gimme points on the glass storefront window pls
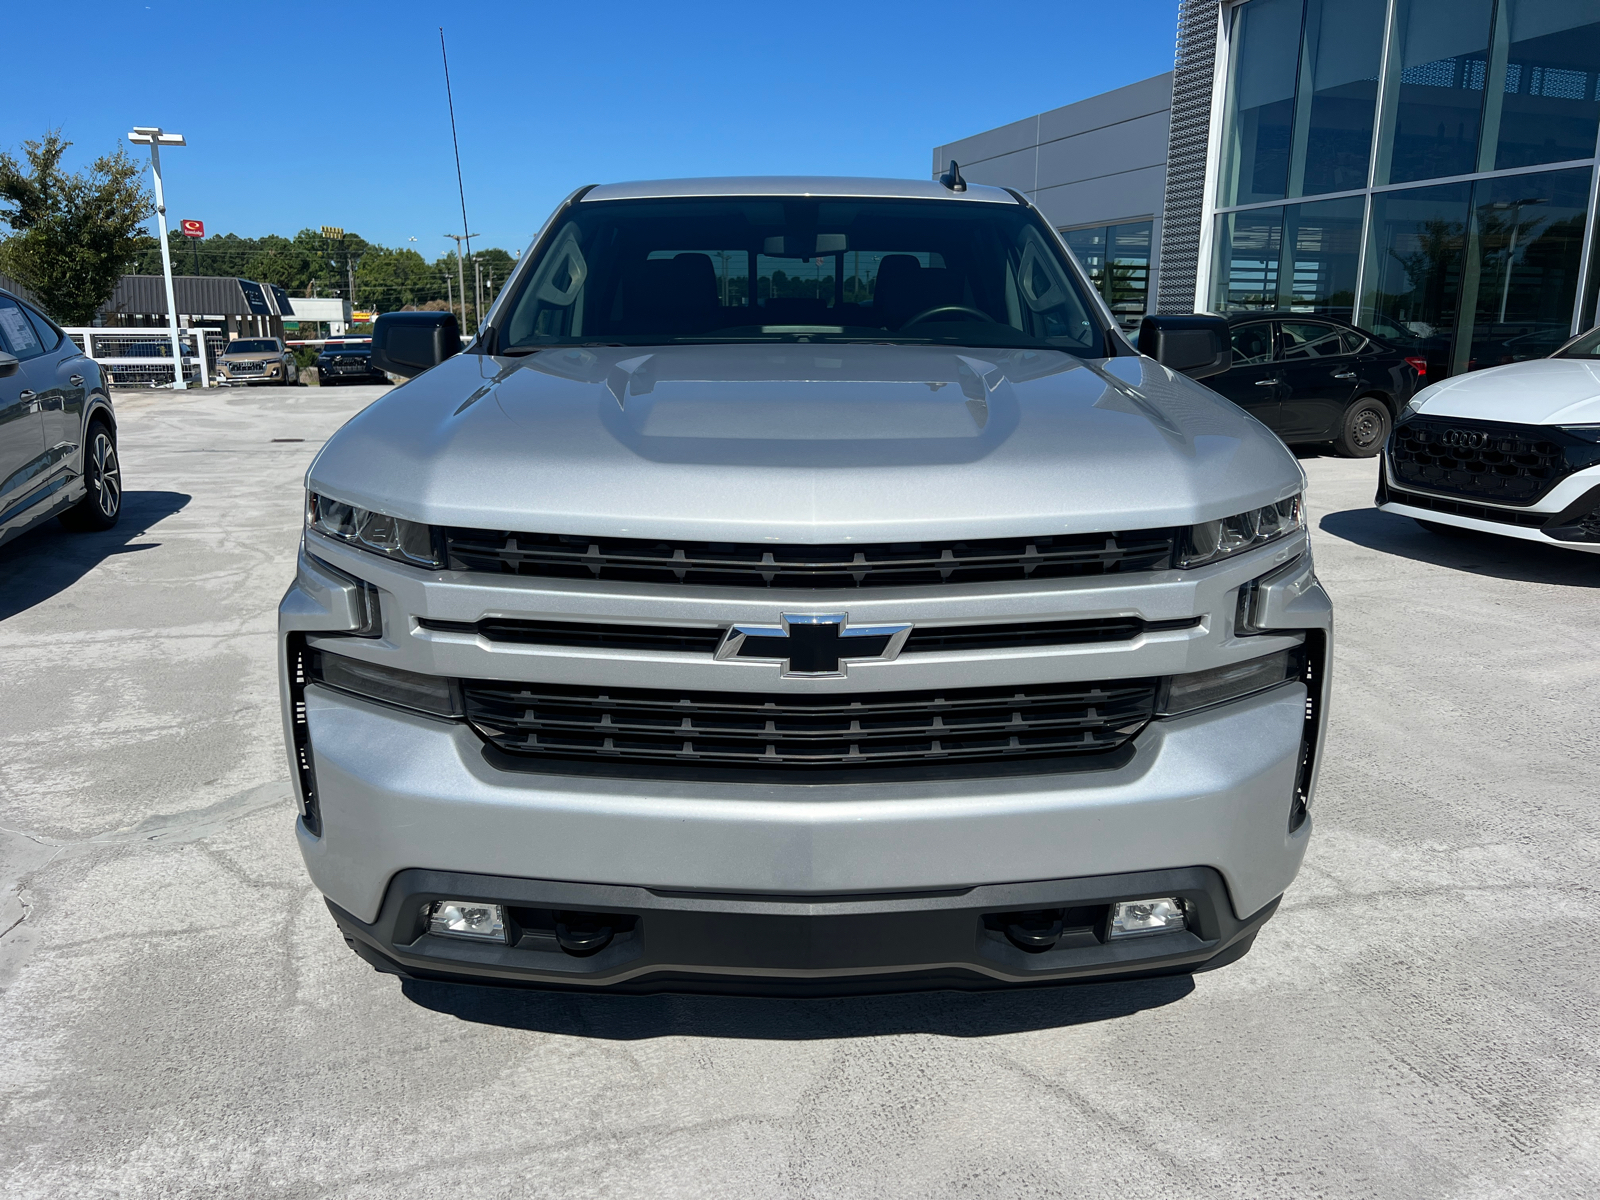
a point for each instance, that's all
(1117, 260)
(1249, 250)
(1550, 108)
(1260, 116)
(1436, 89)
(1325, 240)
(1332, 140)
(1316, 275)
(1522, 271)
(1412, 293)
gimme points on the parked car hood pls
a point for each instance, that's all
(1542, 391)
(800, 443)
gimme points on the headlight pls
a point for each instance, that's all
(403, 541)
(1202, 689)
(1211, 541)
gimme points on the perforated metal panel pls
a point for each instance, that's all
(1193, 71)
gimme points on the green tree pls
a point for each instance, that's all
(389, 280)
(74, 234)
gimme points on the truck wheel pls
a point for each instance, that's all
(1364, 430)
(102, 471)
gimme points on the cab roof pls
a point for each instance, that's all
(798, 185)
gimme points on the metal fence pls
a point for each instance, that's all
(143, 357)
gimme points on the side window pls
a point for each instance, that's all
(16, 331)
(49, 335)
(1307, 339)
(1353, 342)
(1252, 344)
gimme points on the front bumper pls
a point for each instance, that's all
(399, 792)
(1555, 519)
(767, 944)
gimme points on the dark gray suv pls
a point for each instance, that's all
(58, 434)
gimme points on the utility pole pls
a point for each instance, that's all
(155, 138)
(449, 292)
(477, 290)
(461, 272)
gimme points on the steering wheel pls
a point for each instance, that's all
(928, 313)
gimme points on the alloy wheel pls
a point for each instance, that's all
(106, 477)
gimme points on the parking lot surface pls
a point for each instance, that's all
(180, 1018)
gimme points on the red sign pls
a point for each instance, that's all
(192, 228)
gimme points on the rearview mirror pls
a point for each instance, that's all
(8, 364)
(408, 343)
(1199, 345)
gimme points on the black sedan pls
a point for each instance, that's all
(348, 360)
(1315, 379)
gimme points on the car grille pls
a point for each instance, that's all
(900, 729)
(727, 564)
(245, 368)
(1508, 464)
(1461, 508)
(705, 640)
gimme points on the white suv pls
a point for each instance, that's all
(1513, 450)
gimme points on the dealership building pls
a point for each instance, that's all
(1424, 168)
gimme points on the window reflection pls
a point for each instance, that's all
(1527, 237)
(1266, 47)
(1438, 94)
(1249, 249)
(1413, 279)
(1334, 114)
(1117, 260)
(1550, 107)
(1326, 242)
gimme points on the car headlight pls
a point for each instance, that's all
(1211, 541)
(403, 541)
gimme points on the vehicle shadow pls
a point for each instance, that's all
(49, 558)
(1464, 550)
(948, 1014)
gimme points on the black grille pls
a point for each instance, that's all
(705, 640)
(899, 729)
(730, 564)
(1462, 508)
(1507, 464)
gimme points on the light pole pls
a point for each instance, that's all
(461, 271)
(154, 137)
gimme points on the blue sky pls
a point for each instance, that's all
(295, 122)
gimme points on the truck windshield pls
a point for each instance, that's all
(916, 272)
(252, 346)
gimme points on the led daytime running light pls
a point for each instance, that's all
(1211, 541)
(403, 541)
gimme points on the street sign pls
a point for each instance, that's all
(193, 228)
(333, 233)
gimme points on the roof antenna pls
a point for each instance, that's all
(952, 178)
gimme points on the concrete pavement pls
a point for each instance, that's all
(179, 1017)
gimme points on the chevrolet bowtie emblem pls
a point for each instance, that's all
(814, 646)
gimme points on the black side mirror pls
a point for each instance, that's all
(8, 364)
(1199, 345)
(408, 343)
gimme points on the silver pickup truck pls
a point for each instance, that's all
(801, 585)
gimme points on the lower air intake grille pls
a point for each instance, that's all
(897, 729)
(729, 564)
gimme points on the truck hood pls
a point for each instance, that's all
(804, 443)
(1542, 391)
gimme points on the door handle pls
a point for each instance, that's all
(1266, 383)
(1344, 374)
(75, 380)
(27, 395)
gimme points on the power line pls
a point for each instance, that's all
(460, 186)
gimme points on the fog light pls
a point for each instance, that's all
(1135, 918)
(467, 919)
